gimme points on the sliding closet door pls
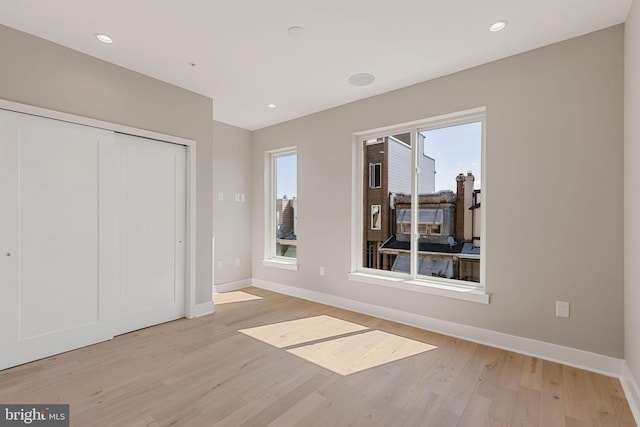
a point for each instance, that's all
(55, 293)
(151, 228)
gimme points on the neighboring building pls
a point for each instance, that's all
(287, 226)
(449, 227)
(388, 160)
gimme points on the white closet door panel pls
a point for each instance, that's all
(9, 137)
(58, 230)
(54, 299)
(152, 191)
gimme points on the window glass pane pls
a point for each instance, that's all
(449, 188)
(387, 159)
(372, 182)
(286, 214)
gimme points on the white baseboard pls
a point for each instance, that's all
(231, 286)
(202, 309)
(631, 391)
(606, 365)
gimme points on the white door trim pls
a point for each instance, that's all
(190, 261)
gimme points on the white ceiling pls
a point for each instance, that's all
(246, 60)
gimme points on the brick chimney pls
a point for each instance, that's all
(464, 201)
(468, 203)
(459, 222)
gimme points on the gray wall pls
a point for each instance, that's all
(43, 74)
(631, 194)
(232, 156)
(554, 227)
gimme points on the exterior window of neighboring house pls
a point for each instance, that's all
(430, 213)
(376, 220)
(428, 229)
(406, 228)
(375, 175)
(281, 208)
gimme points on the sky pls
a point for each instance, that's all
(456, 149)
(287, 176)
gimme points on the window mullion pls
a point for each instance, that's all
(415, 233)
(272, 203)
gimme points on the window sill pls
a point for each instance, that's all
(281, 263)
(422, 286)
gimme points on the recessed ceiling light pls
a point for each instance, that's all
(295, 32)
(104, 38)
(362, 79)
(271, 105)
(498, 26)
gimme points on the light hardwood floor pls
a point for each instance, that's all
(273, 360)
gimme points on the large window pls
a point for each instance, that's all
(427, 225)
(281, 193)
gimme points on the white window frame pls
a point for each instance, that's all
(452, 288)
(271, 259)
(379, 227)
(372, 175)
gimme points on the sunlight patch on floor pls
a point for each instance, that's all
(301, 331)
(340, 346)
(234, 296)
(356, 353)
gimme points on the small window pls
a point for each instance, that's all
(376, 219)
(375, 175)
(406, 228)
(429, 229)
(281, 241)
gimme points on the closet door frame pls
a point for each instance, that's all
(191, 310)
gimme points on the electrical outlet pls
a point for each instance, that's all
(237, 197)
(322, 271)
(243, 197)
(220, 196)
(237, 262)
(562, 309)
(220, 265)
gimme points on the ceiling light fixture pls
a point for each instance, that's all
(362, 79)
(271, 105)
(498, 26)
(104, 38)
(295, 32)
